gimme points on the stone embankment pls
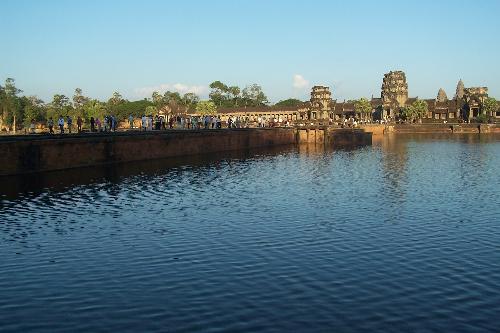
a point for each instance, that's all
(25, 154)
(442, 128)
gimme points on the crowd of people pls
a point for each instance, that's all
(65, 125)
(109, 123)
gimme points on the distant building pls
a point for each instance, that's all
(321, 108)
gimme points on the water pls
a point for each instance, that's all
(403, 236)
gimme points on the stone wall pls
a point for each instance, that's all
(23, 154)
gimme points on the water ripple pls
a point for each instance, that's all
(401, 236)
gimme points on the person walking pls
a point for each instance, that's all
(131, 121)
(92, 124)
(98, 124)
(70, 123)
(79, 123)
(50, 124)
(60, 122)
(143, 122)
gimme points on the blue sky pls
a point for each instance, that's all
(135, 47)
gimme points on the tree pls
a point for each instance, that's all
(235, 94)
(34, 109)
(206, 107)
(94, 108)
(151, 110)
(78, 99)
(172, 99)
(289, 102)
(363, 106)
(157, 99)
(490, 106)
(417, 110)
(59, 106)
(218, 92)
(10, 103)
(116, 99)
(189, 100)
(254, 96)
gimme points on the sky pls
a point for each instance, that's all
(136, 47)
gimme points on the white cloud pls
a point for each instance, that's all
(299, 82)
(178, 87)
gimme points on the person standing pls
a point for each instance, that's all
(131, 121)
(70, 123)
(50, 124)
(60, 122)
(143, 122)
(99, 125)
(79, 123)
(92, 124)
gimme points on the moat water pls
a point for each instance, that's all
(402, 236)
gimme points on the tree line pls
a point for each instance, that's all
(15, 107)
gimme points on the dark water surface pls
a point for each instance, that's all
(403, 236)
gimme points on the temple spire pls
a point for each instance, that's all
(460, 90)
(441, 96)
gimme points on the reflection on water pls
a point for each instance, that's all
(399, 236)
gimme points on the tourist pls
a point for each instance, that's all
(60, 122)
(32, 126)
(162, 123)
(92, 124)
(213, 121)
(98, 124)
(150, 123)
(144, 122)
(79, 123)
(171, 122)
(114, 123)
(188, 122)
(131, 121)
(50, 124)
(70, 123)
(205, 121)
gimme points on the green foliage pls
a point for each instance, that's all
(289, 102)
(218, 93)
(150, 110)
(10, 103)
(34, 109)
(126, 108)
(78, 99)
(363, 106)
(482, 118)
(490, 105)
(232, 96)
(94, 108)
(116, 99)
(417, 110)
(254, 96)
(206, 107)
(189, 100)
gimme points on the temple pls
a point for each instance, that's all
(323, 109)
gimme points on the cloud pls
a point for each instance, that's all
(178, 87)
(299, 82)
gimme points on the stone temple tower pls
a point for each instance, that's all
(394, 89)
(321, 99)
